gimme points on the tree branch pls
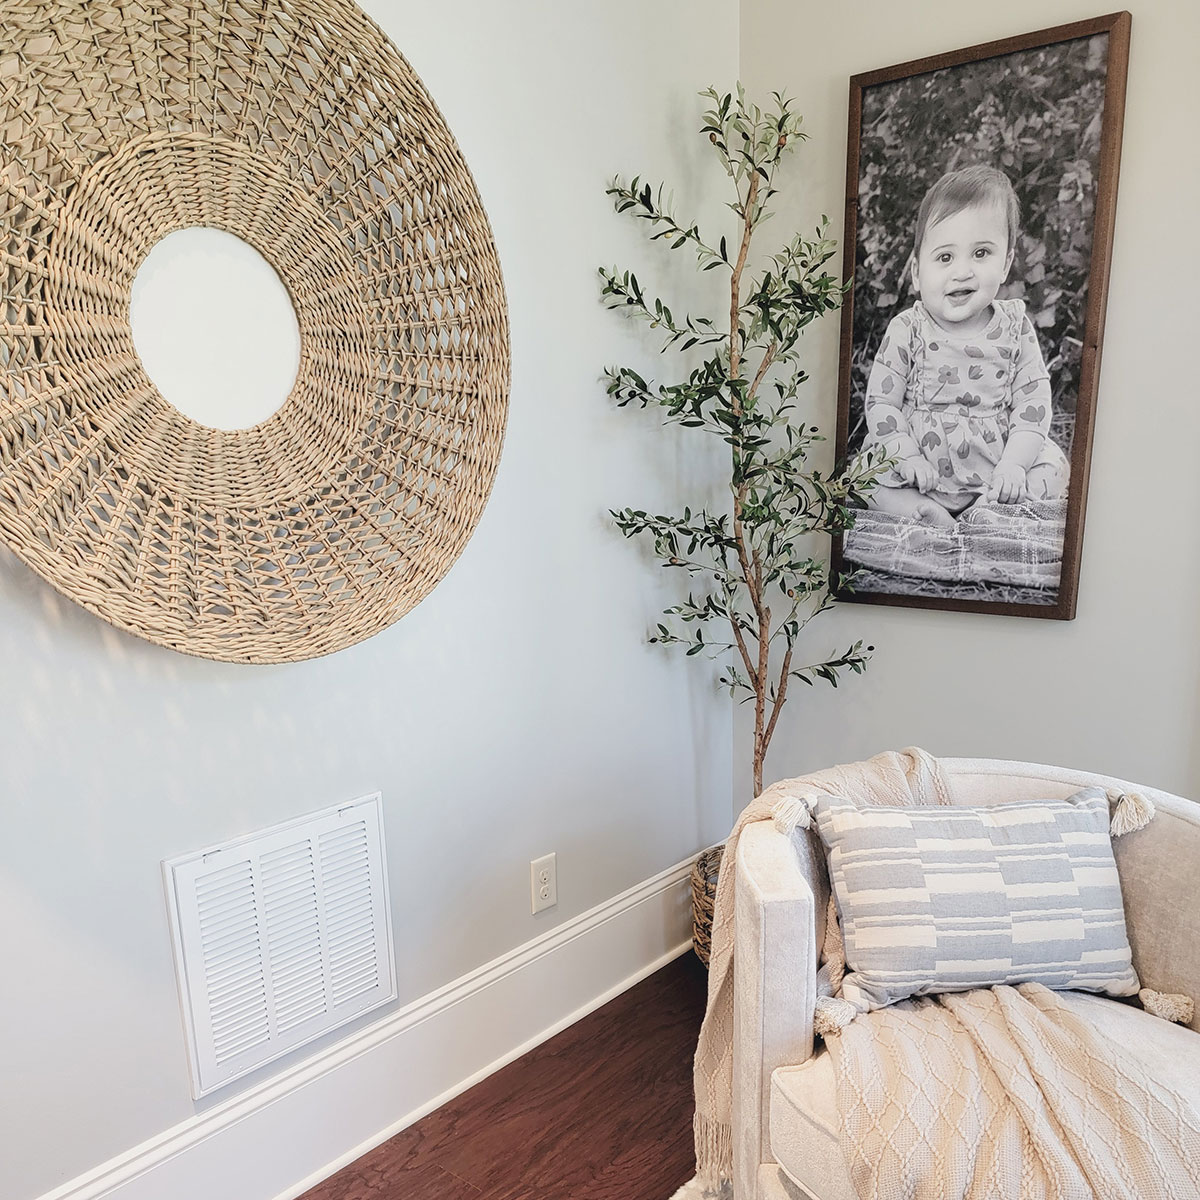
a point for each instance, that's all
(735, 308)
(756, 548)
(767, 359)
(780, 697)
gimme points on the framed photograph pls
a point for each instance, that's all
(981, 187)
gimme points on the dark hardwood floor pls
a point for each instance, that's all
(602, 1111)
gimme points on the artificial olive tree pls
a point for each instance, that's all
(758, 569)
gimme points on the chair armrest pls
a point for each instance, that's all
(1160, 877)
(779, 919)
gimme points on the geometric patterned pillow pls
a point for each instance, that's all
(943, 899)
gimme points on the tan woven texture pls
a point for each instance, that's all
(705, 872)
(299, 128)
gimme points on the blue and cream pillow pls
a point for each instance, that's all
(943, 899)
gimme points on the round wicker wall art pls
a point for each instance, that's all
(299, 128)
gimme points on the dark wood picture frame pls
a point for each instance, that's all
(986, 595)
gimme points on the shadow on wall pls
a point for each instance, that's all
(105, 738)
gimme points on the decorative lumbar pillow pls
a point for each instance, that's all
(943, 898)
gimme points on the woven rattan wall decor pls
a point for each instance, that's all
(298, 127)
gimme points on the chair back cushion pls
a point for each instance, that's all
(936, 899)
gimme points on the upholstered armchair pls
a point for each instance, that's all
(785, 1122)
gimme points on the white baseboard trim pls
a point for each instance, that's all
(284, 1136)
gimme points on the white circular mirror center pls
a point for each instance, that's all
(215, 328)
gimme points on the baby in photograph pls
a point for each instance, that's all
(959, 395)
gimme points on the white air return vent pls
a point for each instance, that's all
(280, 937)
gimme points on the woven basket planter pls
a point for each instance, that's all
(299, 128)
(704, 893)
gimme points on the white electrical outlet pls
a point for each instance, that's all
(543, 882)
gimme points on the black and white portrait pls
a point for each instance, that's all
(980, 220)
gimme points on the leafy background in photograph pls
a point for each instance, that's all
(1037, 116)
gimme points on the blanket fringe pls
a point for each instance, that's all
(792, 813)
(714, 1150)
(831, 1015)
(1131, 811)
(1171, 1006)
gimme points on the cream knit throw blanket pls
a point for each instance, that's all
(1043, 1110)
(1028, 1103)
(901, 778)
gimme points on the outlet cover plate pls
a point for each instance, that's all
(543, 882)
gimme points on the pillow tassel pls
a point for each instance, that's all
(792, 813)
(1132, 811)
(1171, 1006)
(831, 1015)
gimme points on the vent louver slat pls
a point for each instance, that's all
(247, 1013)
(280, 937)
(227, 945)
(282, 904)
(225, 885)
(231, 972)
(348, 900)
(234, 978)
(348, 918)
(293, 925)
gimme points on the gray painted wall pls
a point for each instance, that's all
(1115, 690)
(518, 710)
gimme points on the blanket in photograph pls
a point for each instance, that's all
(1017, 544)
